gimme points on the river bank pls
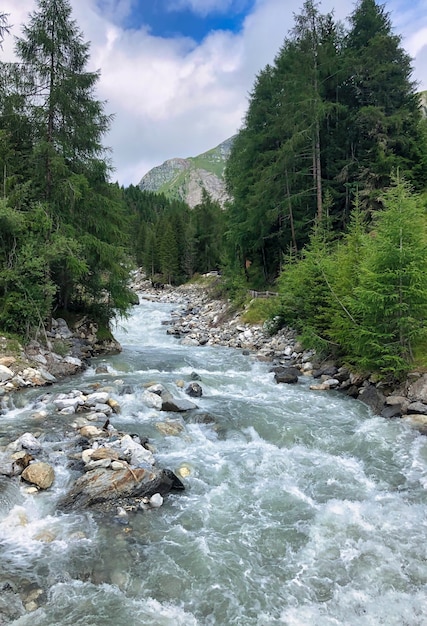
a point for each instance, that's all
(205, 320)
(202, 319)
(288, 492)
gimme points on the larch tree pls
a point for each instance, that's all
(66, 169)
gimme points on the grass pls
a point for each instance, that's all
(10, 345)
(420, 356)
(259, 310)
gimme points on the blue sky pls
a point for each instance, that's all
(176, 74)
(185, 19)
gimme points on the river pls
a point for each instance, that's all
(301, 508)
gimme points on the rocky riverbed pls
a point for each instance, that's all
(117, 470)
(203, 320)
(61, 352)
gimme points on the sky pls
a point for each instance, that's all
(177, 74)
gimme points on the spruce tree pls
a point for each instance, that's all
(384, 113)
(276, 172)
(390, 302)
(69, 122)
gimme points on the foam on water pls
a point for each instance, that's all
(300, 508)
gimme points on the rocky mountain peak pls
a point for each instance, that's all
(186, 178)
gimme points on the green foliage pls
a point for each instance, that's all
(364, 297)
(172, 240)
(64, 230)
(336, 112)
(306, 299)
(61, 347)
(390, 302)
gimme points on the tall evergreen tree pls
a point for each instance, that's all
(69, 122)
(276, 170)
(50, 117)
(383, 107)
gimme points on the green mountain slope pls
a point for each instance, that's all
(185, 178)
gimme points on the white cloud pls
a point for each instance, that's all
(174, 97)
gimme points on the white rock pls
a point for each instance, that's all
(90, 431)
(31, 491)
(99, 463)
(5, 374)
(64, 403)
(121, 512)
(72, 360)
(40, 358)
(332, 382)
(29, 442)
(156, 500)
(87, 455)
(48, 377)
(99, 397)
(103, 408)
(152, 400)
(118, 465)
(138, 453)
(68, 410)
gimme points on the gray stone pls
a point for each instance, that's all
(178, 405)
(390, 411)
(104, 486)
(29, 442)
(5, 374)
(98, 397)
(287, 375)
(417, 407)
(194, 390)
(417, 392)
(373, 398)
(65, 403)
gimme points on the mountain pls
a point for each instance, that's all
(185, 178)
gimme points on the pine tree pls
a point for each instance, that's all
(384, 114)
(390, 302)
(276, 170)
(69, 122)
(169, 257)
(51, 118)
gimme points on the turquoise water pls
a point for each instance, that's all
(300, 508)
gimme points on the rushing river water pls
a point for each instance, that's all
(300, 508)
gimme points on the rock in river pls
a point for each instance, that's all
(104, 486)
(40, 474)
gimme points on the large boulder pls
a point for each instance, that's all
(5, 374)
(102, 486)
(373, 398)
(40, 474)
(417, 392)
(288, 375)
